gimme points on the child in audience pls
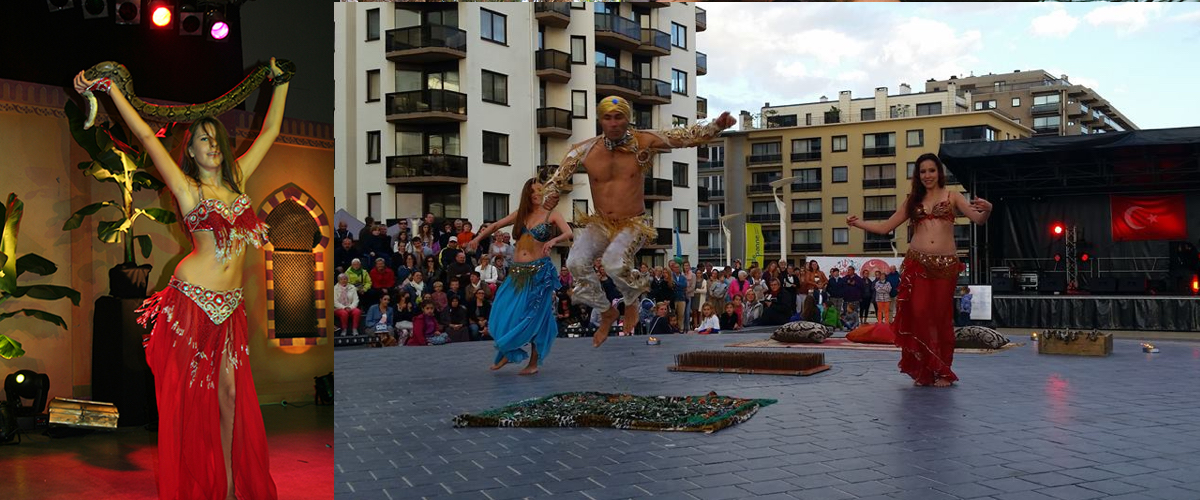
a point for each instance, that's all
(440, 299)
(850, 319)
(729, 319)
(710, 324)
(830, 318)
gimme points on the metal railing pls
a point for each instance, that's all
(657, 187)
(806, 186)
(702, 194)
(618, 77)
(806, 156)
(427, 165)
(712, 165)
(1041, 109)
(880, 151)
(877, 245)
(701, 18)
(764, 159)
(878, 214)
(426, 101)
(655, 38)
(806, 247)
(710, 223)
(771, 246)
(701, 62)
(712, 252)
(758, 189)
(619, 25)
(555, 7)
(806, 217)
(656, 88)
(716, 193)
(552, 59)
(554, 118)
(879, 183)
(427, 36)
(763, 218)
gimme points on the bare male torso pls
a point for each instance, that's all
(616, 181)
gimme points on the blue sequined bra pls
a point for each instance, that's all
(541, 232)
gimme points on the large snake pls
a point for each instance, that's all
(110, 73)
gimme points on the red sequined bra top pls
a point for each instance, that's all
(233, 226)
(941, 210)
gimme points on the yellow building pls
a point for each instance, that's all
(845, 165)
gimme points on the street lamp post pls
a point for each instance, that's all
(728, 238)
(783, 215)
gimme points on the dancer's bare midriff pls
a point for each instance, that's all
(201, 267)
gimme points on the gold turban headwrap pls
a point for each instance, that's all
(614, 103)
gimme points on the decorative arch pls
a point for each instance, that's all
(293, 193)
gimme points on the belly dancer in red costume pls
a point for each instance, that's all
(925, 306)
(211, 440)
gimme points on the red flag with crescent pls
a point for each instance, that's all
(1149, 218)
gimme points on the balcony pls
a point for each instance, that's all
(710, 223)
(806, 186)
(1045, 130)
(544, 171)
(657, 189)
(616, 31)
(758, 190)
(701, 108)
(880, 151)
(806, 217)
(426, 44)
(877, 246)
(879, 183)
(763, 218)
(427, 106)
(716, 194)
(654, 43)
(701, 19)
(764, 160)
(877, 214)
(1044, 109)
(806, 248)
(552, 65)
(702, 194)
(654, 92)
(701, 64)
(711, 252)
(553, 14)
(771, 247)
(711, 165)
(643, 120)
(619, 82)
(962, 242)
(554, 122)
(809, 156)
(665, 238)
(427, 169)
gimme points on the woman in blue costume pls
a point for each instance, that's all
(523, 312)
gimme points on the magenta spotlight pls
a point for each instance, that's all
(219, 30)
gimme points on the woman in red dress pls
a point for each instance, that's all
(209, 417)
(924, 326)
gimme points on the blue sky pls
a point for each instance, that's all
(1136, 55)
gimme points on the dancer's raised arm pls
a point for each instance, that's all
(977, 210)
(687, 137)
(884, 227)
(270, 129)
(493, 227)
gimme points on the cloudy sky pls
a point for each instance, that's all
(1139, 56)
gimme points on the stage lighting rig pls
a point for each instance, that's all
(95, 9)
(27, 384)
(191, 21)
(57, 5)
(161, 15)
(129, 12)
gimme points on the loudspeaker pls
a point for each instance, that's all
(1103, 285)
(1052, 283)
(1131, 285)
(120, 374)
(1003, 284)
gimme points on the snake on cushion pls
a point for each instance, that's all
(113, 73)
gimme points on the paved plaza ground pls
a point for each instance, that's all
(1019, 426)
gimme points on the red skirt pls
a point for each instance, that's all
(195, 329)
(925, 316)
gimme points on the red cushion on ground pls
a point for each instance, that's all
(874, 333)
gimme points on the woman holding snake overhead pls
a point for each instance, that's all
(209, 417)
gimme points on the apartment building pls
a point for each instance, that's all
(449, 107)
(1048, 104)
(828, 160)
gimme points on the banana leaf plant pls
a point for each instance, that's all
(12, 267)
(115, 160)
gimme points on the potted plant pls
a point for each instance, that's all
(115, 160)
(12, 267)
(833, 115)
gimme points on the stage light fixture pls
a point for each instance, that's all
(129, 12)
(160, 15)
(1057, 229)
(1057, 257)
(27, 384)
(191, 23)
(1195, 284)
(57, 5)
(218, 29)
(1084, 257)
(95, 9)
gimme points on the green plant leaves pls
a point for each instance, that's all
(47, 292)
(35, 264)
(85, 138)
(77, 220)
(42, 315)
(15, 208)
(143, 180)
(10, 348)
(158, 215)
(110, 231)
(146, 244)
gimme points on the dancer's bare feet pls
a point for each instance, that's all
(532, 367)
(500, 364)
(606, 321)
(631, 318)
(528, 370)
(941, 382)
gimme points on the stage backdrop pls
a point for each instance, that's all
(39, 164)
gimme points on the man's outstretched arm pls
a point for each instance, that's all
(687, 137)
(553, 184)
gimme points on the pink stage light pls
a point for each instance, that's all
(219, 30)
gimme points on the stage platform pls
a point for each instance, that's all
(1104, 312)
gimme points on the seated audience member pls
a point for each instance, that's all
(478, 310)
(383, 280)
(454, 320)
(358, 277)
(779, 305)
(456, 291)
(661, 323)
(729, 318)
(408, 264)
(488, 273)
(405, 312)
(342, 232)
(850, 319)
(426, 329)
(460, 270)
(345, 306)
(476, 284)
(381, 320)
(345, 253)
(711, 323)
(439, 297)
(415, 285)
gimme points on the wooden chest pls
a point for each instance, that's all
(1081, 346)
(79, 413)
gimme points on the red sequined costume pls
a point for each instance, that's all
(925, 307)
(194, 331)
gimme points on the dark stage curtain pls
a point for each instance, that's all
(1105, 313)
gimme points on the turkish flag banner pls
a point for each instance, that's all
(1148, 218)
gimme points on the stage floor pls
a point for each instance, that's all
(120, 464)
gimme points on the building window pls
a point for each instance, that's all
(373, 146)
(578, 50)
(606, 58)
(678, 35)
(1046, 122)
(372, 24)
(965, 134)
(765, 149)
(681, 220)
(840, 174)
(678, 82)
(841, 236)
(1016, 102)
(1045, 99)
(806, 236)
(493, 26)
(578, 207)
(839, 143)
(878, 207)
(495, 206)
(579, 104)
(678, 121)
(930, 108)
(879, 144)
(374, 205)
(372, 85)
(579, 5)
(764, 208)
(807, 146)
(879, 176)
(985, 105)
(912, 167)
(495, 87)
(841, 205)
(867, 114)
(495, 148)
(808, 206)
(916, 138)
(781, 121)
(679, 174)
(808, 118)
